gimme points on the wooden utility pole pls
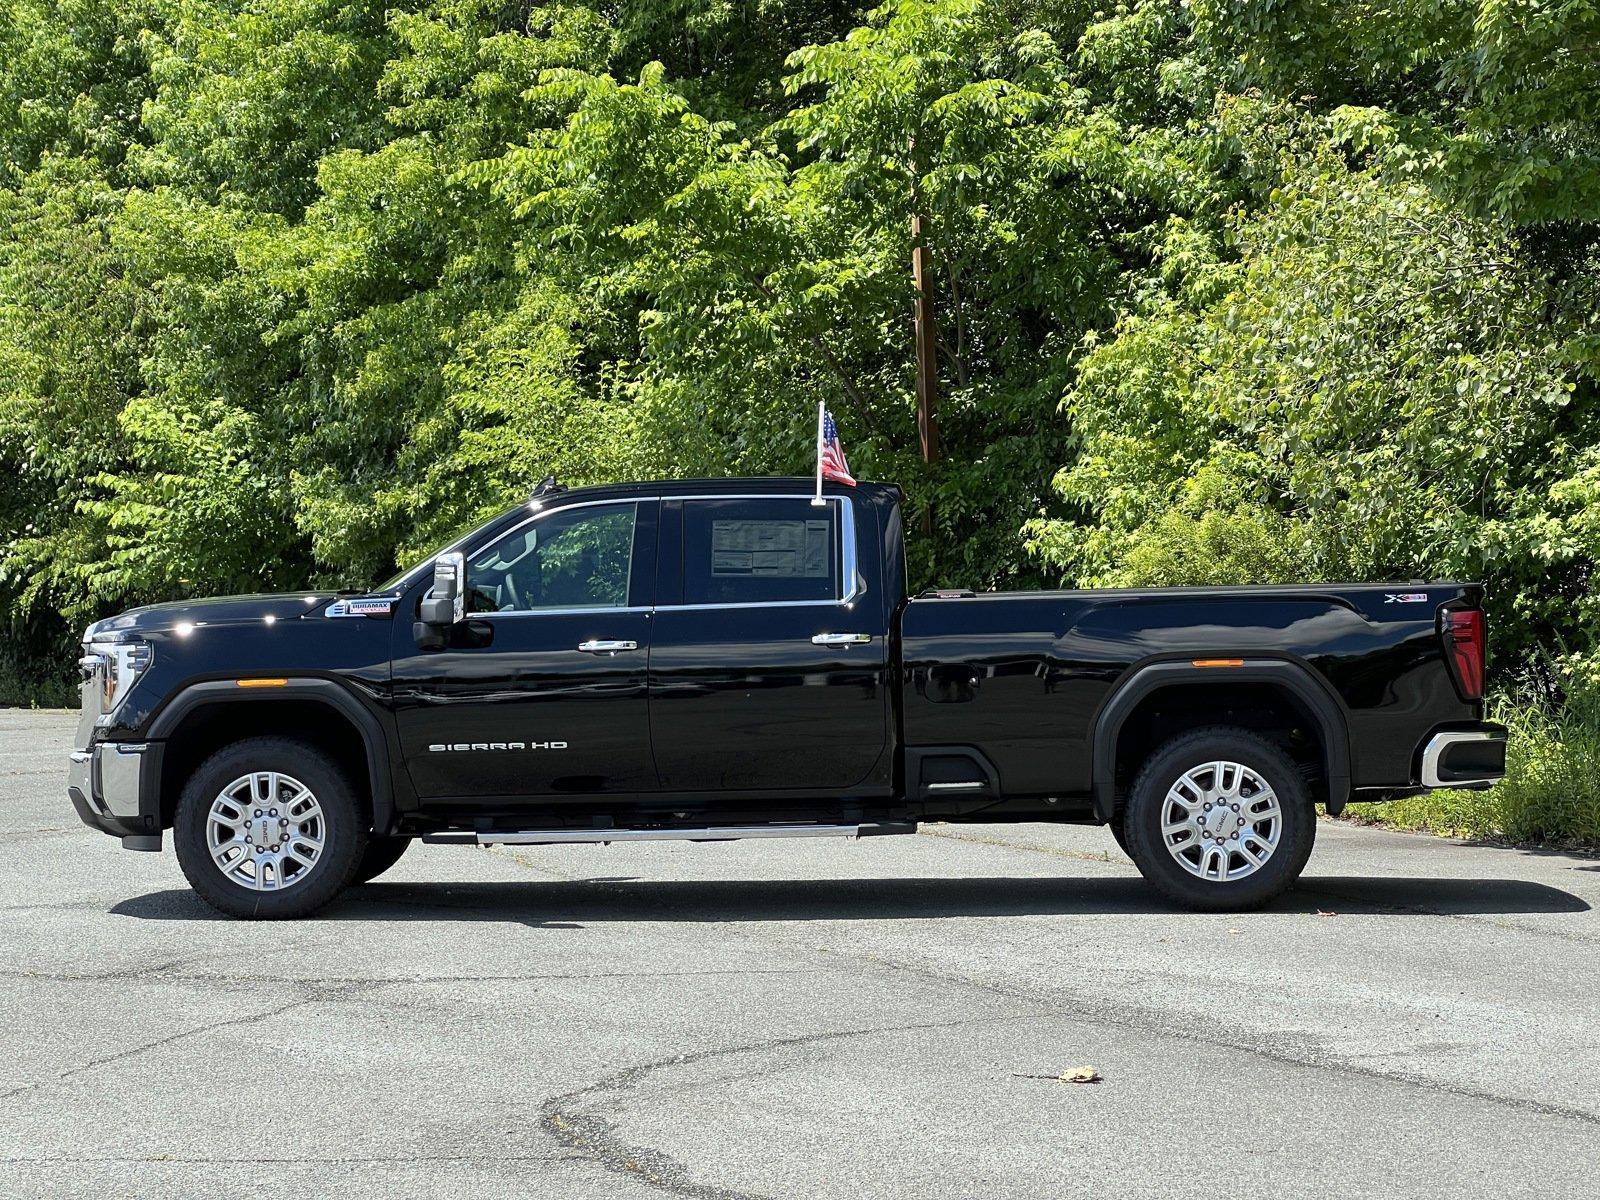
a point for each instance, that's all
(927, 362)
(923, 330)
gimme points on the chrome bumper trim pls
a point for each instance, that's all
(80, 774)
(107, 775)
(1434, 751)
(120, 764)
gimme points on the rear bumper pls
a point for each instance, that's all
(112, 787)
(1463, 758)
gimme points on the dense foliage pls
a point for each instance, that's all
(1226, 289)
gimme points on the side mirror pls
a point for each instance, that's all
(446, 602)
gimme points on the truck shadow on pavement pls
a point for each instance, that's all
(611, 899)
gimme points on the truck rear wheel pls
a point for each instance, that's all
(1219, 819)
(268, 828)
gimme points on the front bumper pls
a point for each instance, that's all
(1470, 758)
(114, 787)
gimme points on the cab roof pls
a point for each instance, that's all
(778, 485)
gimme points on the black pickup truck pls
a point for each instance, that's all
(719, 659)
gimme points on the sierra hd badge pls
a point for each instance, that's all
(449, 747)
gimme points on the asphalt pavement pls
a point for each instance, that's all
(806, 1018)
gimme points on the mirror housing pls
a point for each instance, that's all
(445, 604)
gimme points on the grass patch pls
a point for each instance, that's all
(1551, 792)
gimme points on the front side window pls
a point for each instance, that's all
(761, 550)
(573, 558)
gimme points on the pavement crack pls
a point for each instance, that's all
(64, 906)
(1092, 1010)
(182, 1035)
(1097, 1012)
(153, 974)
(951, 835)
(297, 1161)
(594, 1136)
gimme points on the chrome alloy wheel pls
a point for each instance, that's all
(1221, 821)
(265, 831)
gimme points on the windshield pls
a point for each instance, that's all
(398, 581)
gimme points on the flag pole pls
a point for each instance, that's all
(817, 500)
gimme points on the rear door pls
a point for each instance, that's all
(767, 671)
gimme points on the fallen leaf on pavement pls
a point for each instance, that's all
(1080, 1075)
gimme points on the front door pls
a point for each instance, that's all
(756, 683)
(542, 690)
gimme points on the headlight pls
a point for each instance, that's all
(115, 664)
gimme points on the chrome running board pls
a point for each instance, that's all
(717, 833)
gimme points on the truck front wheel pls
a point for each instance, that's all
(268, 828)
(1219, 819)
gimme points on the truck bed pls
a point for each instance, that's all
(1024, 674)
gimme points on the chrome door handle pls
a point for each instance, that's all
(841, 639)
(605, 647)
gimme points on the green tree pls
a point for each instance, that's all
(290, 289)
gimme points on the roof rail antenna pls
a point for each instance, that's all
(547, 487)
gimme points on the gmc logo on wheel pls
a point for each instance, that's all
(449, 747)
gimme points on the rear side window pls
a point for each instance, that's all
(759, 551)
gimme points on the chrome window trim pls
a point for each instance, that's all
(425, 567)
(551, 612)
(759, 604)
(633, 545)
(847, 536)
(555, 508)
(847, 546)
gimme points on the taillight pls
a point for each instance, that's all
(1464, 638)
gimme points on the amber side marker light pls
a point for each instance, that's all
(1217, 662)
(261, 682)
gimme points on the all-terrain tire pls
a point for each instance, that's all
(1119, 833)
(270, 782)
(1238, 883)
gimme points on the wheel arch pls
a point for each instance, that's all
(1308, 694)
(200, 719)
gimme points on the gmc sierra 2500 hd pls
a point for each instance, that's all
(710, 660)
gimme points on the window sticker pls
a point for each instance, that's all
(770, 549)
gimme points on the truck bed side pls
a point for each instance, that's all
(1024, 675)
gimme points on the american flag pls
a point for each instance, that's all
(831, 453)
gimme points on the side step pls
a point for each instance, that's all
(716, 833)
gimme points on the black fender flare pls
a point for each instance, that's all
(321, 691)
(1140, 682)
